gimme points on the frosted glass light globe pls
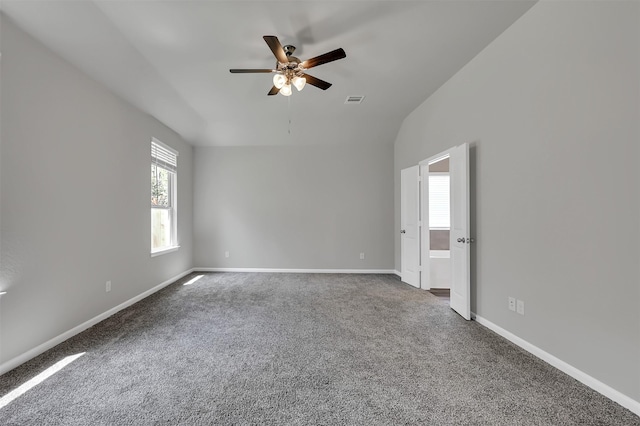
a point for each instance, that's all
(286, 90)
(299, 82)
(279, 80)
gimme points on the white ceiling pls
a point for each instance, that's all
(172, 59)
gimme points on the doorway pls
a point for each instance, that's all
(456, 259)
(415, 246)
(439, 226)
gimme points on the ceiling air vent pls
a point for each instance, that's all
(352, 100)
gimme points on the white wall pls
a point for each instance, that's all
(75, 176)
(551, 109)
(294, 207)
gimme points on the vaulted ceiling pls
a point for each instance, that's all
(172, 59)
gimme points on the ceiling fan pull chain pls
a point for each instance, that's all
(289, 108)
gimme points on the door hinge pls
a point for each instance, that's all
(419, 268)
(419, 223)
(419, 178)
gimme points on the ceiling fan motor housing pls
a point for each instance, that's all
(289, 49)
(293, 64)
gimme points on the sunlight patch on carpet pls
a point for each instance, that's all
(193, 280)
(25, 387)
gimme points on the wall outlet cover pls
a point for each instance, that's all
(520, 307)
(512, 304)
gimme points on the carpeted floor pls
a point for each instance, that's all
(241, 348)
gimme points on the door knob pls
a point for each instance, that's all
(460, 240)
(402, 231)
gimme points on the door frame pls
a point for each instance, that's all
(425, 242)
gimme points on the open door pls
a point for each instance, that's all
(460, 239)
(409, 232)
(425, 238)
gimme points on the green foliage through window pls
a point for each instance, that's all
(160, 187)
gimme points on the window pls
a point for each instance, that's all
(439, 201)
(164, 167)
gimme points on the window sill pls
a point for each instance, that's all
(164, 251)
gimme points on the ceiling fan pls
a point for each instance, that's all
(291, 70)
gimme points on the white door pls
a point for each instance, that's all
(409, 232)
(460, 236)
(425, 236)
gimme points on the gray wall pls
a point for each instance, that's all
(310, 207)
(439, 239)
(75, 176)
(551, 109)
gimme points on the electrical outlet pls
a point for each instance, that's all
(107, 287)
(512, 303)
(226, 254)
(520, 307)
(361, 256)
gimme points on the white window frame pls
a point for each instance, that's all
(173, 209)
(437, 228)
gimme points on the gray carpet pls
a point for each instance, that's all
(240, 348)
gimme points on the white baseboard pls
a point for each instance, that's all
(32, 353)
(398, 273)
(595, 384)
(299, 271)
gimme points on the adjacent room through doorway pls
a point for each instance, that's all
(439, 227)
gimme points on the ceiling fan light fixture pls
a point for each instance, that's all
(279, 80)
(286, 90)
(299, 82)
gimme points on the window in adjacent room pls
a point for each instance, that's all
(164, 169)
(439, 214)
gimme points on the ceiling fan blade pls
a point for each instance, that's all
(334, 55)
(321, 84)
(276, 48)
(274, 91)
(243, 71)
